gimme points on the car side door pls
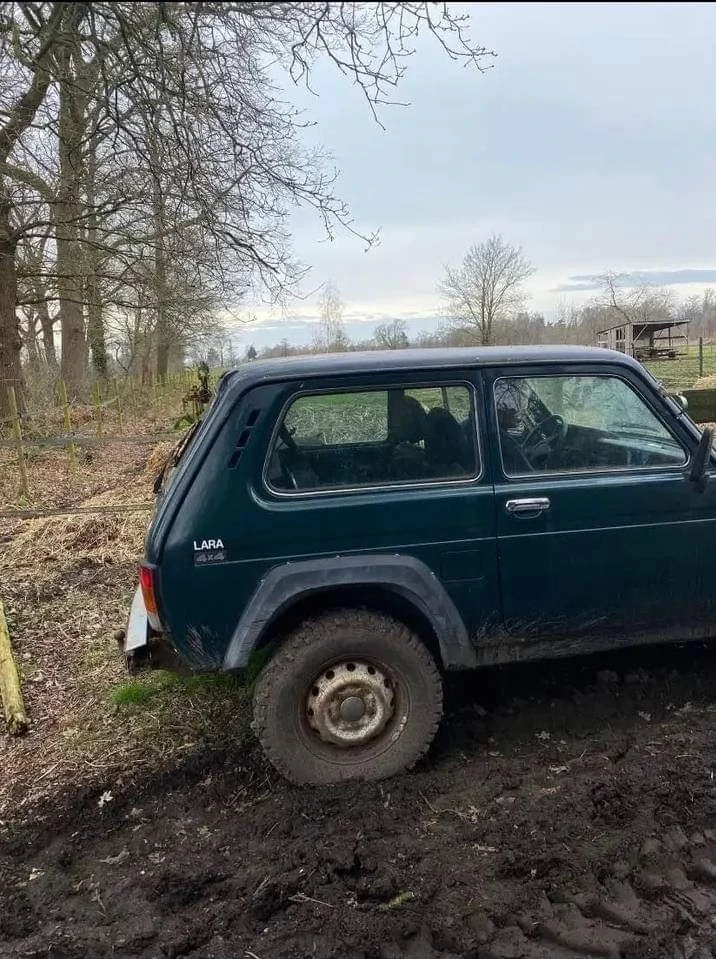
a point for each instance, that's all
(375, 463)
(602, 540)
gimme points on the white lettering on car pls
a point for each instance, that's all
(208, 544)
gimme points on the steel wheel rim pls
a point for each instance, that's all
(350, 703)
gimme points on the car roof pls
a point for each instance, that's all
(376, 361)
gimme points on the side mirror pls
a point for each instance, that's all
(681, 400)
(699, 464)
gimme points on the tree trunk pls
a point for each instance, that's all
(10, 342)
(48, 327)
(33, 355)
(10, 689)
(15, 122)
(95, 320)
(69, 254)
(163, 329)
(73, 364)
(95, 327)
(163, 347)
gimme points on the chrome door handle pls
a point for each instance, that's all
(534, 504)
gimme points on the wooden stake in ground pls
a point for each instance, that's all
(68, 426)
(15, 714)
(17, 434)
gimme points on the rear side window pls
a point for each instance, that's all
(333, 419)
(369, 438)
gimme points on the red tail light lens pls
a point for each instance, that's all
(146, 584)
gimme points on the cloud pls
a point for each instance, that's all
(593, 281)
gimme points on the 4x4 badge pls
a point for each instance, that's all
(209, 551)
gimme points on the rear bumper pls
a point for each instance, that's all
(137, 634)
(144, 648)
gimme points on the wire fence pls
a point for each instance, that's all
(72, 510)
(682, 372)
(88, 424)
(75, 439)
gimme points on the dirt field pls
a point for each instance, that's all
(577, 818)
(565, 810)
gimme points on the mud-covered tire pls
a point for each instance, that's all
(280, 714)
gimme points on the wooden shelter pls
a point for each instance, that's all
(647, 339)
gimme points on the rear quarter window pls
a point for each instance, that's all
(369, 438)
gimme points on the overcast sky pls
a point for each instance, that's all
(591, 142)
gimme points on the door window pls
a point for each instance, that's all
(576, 424)
(348, 440)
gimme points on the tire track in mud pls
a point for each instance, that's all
(566, 810)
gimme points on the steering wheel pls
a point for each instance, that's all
(292, 447)
(545, 437)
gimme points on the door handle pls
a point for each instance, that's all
(534, 504)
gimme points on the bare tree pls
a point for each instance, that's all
(392, 335)
(486, 288)
(165, 129)
(330, 335)
(25, 89)
(700, 313)
(634, 302)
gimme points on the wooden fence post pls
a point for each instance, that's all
(15, 715)
(72, 453)
(17, 434)
(701, 356)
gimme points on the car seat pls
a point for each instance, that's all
(446, 448)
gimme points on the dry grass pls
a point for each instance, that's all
(67, 582)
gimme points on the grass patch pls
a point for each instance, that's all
(402, 899)
(164, 713)
(682, 373)
(135, 692)
(144, 689)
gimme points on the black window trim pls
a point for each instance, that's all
(607, 471)
(379, 487)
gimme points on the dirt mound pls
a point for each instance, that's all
(572, 812)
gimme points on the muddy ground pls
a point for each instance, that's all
(565, 810)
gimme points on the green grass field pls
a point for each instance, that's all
(682, 373)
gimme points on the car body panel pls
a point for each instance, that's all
(618, 558)
(618, 553)
(405, 575)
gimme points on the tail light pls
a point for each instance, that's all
(146, 584)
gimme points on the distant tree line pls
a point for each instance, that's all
(485, 303)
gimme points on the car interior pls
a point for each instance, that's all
(421, 444)
(534, 438)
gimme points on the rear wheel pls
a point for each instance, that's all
(351, 694)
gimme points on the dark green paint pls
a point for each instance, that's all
(619, 557)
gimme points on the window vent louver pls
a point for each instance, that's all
(244, 437)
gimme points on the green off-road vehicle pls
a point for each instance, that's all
(363, 522)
